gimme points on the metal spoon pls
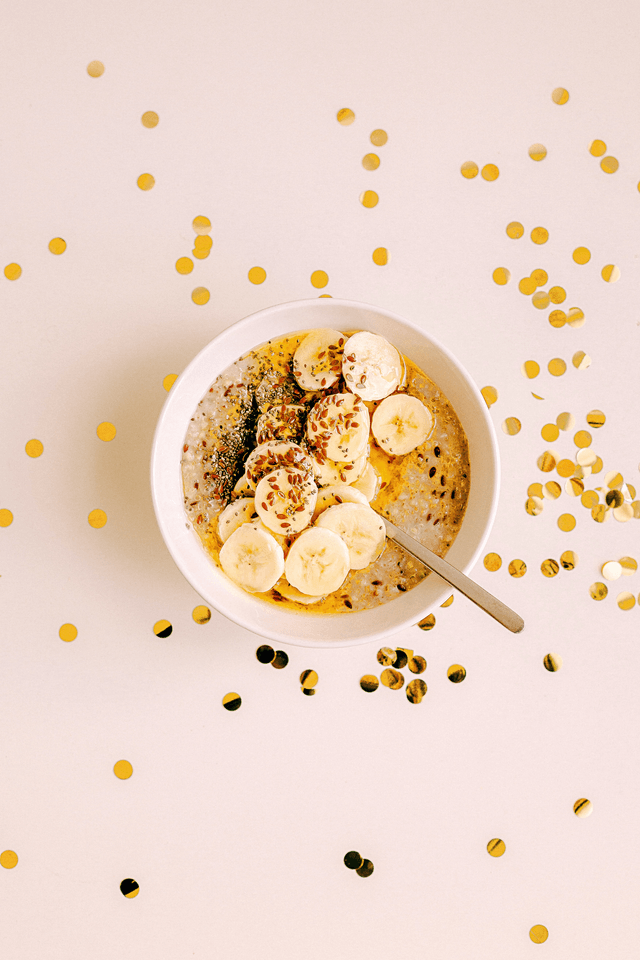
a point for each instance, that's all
(490, 604)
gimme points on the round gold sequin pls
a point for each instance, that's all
(232, 701)
(184, 265)
(575, 317)
(257, 275)
(490, 172)
(552, 662)
(623, 513)
(352, 860)
(200, 253)
(552, 490)
(585, 458)
(565, 420)
(95, 68)
(203, 242)
(598, 591)
(610, 273)
(609, 164)
(150, 119)
(492, 562)
(515, 230)
(517, 568)
(530, 369)
(511, 426)
(635, 506)
(280, 660)
(581, 255)
(345, 116)
(380, 256)
(550, 432)
(416, 690)
(392, 678)
(319, 279)
(581, 360)
(34, 448)
(626, 600)
(265, 653)
(369, 683)
(162, 628)
(534, 490)
(378, 138)
(371, 161)
(583, 807)
(538, 933)
(597, 148)
(146, 181)
(569, 560)
(456, 673)
(556, 367)
(582, 438)
(129, 888)
(490, 395)
(365, 869)
(427, 623)
(12, 271)
(537, 151)
(386, 656)
(546, 462)
(596, 419)
(201, 614)
(600, 513)
(496, 847)
(501, 276)
(534, 506)
(589, 499)
(566, 522)
(106, 431)
(369, 198)
(201, 225)
(469, 169)
(539, 234)
(97, 518)
(628, 565)
(122, 769)
(417, 664)
(613, 479)
(560, 96)
(57, 245)
(6, 517)
(8, 859)
(540, 276)
(565, 468)
(68, 632)
(308, 679)
(527, 286)
(200, 295)
(401, 659)
(169, 381)
(549, 567)
(614, 498)
(540, 299)
(447, 602)
(557, 318)
(611, 570)
(557, 294)
(574, 487)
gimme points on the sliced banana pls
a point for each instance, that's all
(337, 493)
(371, 366)
(244, 487)
(317, 363)
(368, 484)
(252, 558)
(361, 529)
(327, 472)
(290, 593)
(234, 515)
(285, 422)
(317, 562)
(401, 423)
(285, 501)
(338, 427)
(274, 454)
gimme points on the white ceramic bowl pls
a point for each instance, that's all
(269, 620)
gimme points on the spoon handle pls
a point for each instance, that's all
(490, 604)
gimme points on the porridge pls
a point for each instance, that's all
(297, 448)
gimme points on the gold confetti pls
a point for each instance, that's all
(380, 256)
(201, 225)
(490, 395)
(589, 499)
(610, 273)
(511, 426)
(534, 490)
(540, 299)
(6, 517)
(169, 380)
(611, 570)
(623, 513)
(232, 701)
(546, 462)
(13, 271)
(68, 632)
(416, 690)
(534, 506)
(539, 933)
(162, 628)
(613, 479)
(345, 116)
(574, 487)
(184, 265)
(447, 602)
(569, 560)
(95, 68)
(501, 276)
(609, 164)
(565, 468)
(369, 198)
(560, 96)
(556, 367)
(371, 161)
(597, 148)
(492, 562)
(552, 490)
(575, 317)
(496, 847)
(257, 275)
(552, 662)
(583, 807)
(427, 623)
(581, 360)
(319, 278)
(626, 600)
(530, 369)
(582, 438)
(600, 513)
(540, 276)
(378, 138)
(565, 421)
(122, 769)
(97, 519)
(515, 230)
(557, 294)
(469, 169)
(308, 679)
(517, 568)
(628, 565)
(106, 431)
(539, 235)
(566, 522)
(557, 318)
(34, 448)
(369, 683)
(57, 245)
(598, 591)
(549, 567)
(146, 181)
(386, 656)
(417, 664)
(456, 673)
(527, 286)
(392, 678)
(150, 119)
(537, 151)
(200, 295)
(581, 255)
(490, 172)
(8, 859)
(550, 432)
(201, 614)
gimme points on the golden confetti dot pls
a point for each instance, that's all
(511, 426)
(623, 513)
(200, 253)
(575, 317)
(565, 421)
(184, 265)
(380, 256)
(515, 230)
(368, 198)
(265, 653)
(582, 438)
(534, 506)
(635, 507)
(122, 769)
(556, 367)
(352, 860)
(95, 68)
(560, 96)
(308, 679)
(456, 673)
(613, 479)
(552, 662)
(392, 678)
(614, 499)
(626, 601)
(57, 245)
(366, 869)
(201, 614)
(596, 419)
(517, 568)
(447, 602)
(566, 522)
(583, 807)
(539, 276)
(490, 172)
(371, 161)
(600, 513)
(169, 381)
(550, 432)
(386, 656)
(557, 318)
(536, 396)
(33, 448)
(428, 623)
(546, 462)
(534, 490)
(549, 567)
(527, 286)
(201, 225)
(492, 562)
(202, 242)
(129, 888)
(6, 517)
(611, 570)
(369, 683)
(589, 499)
(610, 273)
(557, 295)
(609, 164)
(469, 169)
(585, 458)
(12, 271)
(256, 275)
(378, 138)
(146, 181)
(597, 148)
(574, 487)
(581, 360)
(530, 369)
(417, 664)
(539, 235)
(496, 847)
(106, 431)
(162, 628)
(200, 295)
(231, 701)
(150, 119)
(598, 591)
(402, 656)
(68, 632)
(538, 933)
(416, 690)
(8, 859)
(628, 565)
(581, 255)
(552, 490)
(501, 276)
(280, 660)
(345, 116)
(569, 560)
(490, 395)
(97, 518)
(537, 151)
(319, 278)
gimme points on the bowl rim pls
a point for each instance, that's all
(174, 397)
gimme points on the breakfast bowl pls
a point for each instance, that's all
(294, 623)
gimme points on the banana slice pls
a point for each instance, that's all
(234, 515)
(317, 363)
(338, 427)
(327, 472)
(401, 423)
(285, 422)
(317, 562)
(290, 593)
(337, 493)
(361, 529)
(371, 366)
(274, 454)
(368, 484)
(244, 487)
(285, 501)
(252, 558)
